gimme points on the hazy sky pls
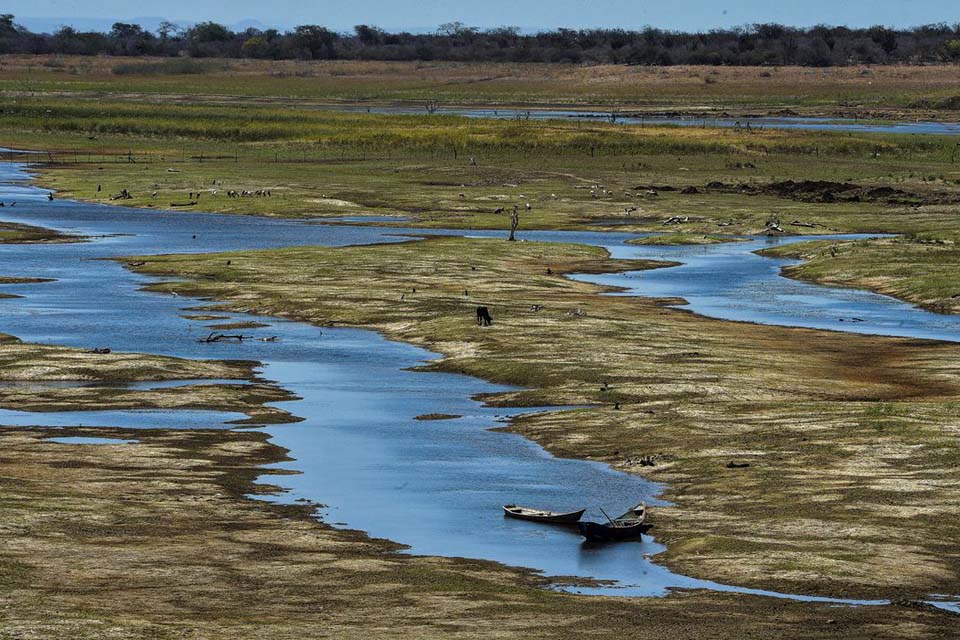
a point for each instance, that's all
(675, 14)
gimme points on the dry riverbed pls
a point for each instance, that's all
(792, 456)
(158, 539)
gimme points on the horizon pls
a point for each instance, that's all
(531, 17)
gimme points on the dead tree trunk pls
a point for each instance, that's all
(514, 223)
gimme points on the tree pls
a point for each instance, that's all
(255, 47)
(7, 28)
(130, 39)
(953, 49)
(367, 35)
(166, 29)
(886, 38)
(317, 41)
(209, 32)
(451, 29)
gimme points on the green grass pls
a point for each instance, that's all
(921, 269)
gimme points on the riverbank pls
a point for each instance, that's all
(241, 568)
(782, 448)
(12, 233)
(44, 378)
(918, 268)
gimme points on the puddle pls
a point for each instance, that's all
(91, 441)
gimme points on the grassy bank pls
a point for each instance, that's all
(676, 239)
(921, 269)
(33, 377)
(458, 172)
(191, 556)
(12, 233)
(855, 91)
(827, 424)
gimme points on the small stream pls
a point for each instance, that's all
(708, 120)
(436, 486)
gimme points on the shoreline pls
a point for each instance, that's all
(535, 396)
(674, 492)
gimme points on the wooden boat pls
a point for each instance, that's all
(630, 526)
(539, 515)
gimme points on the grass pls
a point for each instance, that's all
(320, 163)
(12, 233)
(852, 92)
(836, 428)
(695, 393)
(562, 175)
(162, 541)
(919, 268)
(34, 375)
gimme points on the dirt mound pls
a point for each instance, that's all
(810, 190)
(828, 191)
(654, 187)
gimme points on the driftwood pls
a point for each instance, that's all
(101, 351)
(220, 337)
(183, 204)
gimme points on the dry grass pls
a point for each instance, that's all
(157, 540)
(845, 90)
(838, 429)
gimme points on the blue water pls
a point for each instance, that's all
(707, 120)
(360, 449)
(90, 441)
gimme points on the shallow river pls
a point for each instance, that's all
(626, 118)
(435, 486)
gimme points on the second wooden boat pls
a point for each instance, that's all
(539, 515)
(630, 526)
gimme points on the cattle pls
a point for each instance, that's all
(483, 317)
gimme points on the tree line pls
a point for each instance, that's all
(758, 44)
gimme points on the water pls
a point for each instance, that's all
(731, 282)
(435, 486)
(635, 119)
(91, 441)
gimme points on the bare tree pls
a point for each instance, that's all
(514, 223)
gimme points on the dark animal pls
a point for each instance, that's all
(483, 317)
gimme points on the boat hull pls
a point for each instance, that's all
(596, 532)
(547, 517)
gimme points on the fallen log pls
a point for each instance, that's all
(220, 337)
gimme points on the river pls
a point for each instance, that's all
(921, 127)
(436, 486)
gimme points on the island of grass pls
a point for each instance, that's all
(34, 376)
(675, 239)
(14, 233)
